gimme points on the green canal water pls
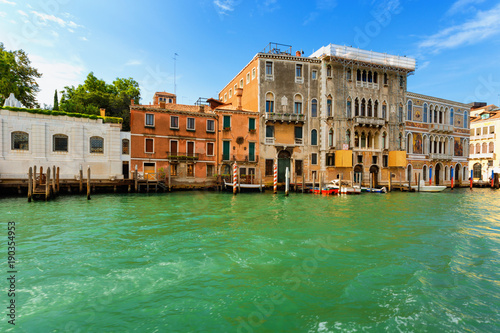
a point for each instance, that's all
(214, 262)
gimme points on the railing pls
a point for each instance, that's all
(441, 128)
(269, 141)
(482, 155)
(226, 157)
(484, 136)
(270, 116)
(364, 84)
(182, 156)
(246, 159)
(298, 141)
(369, 121)
(436, 156)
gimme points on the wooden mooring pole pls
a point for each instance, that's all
(34, 178)
(57, 181)
(88, 183)
(287, 181)
(81, 179)
(54, 180)
(135, 179)
(260, 176)
(30, 184)
(47, 185)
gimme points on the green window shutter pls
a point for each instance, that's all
(251, 123)
(298, 132)
(227, 121)
(226, 145)
(251, 151)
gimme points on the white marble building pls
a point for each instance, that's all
(28, 139)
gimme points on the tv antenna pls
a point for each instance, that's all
(175, 65)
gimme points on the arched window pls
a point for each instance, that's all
(314, 137)
(329, 71)
(375, 109)
(424, 172)
(375, 77)
(446, 173)
(400, 113)
(348, 74)
(369, 140)
(491, 147)
(356, 107)
(410, 107)
(431, 108)
(408, 172)
(400, 141)
(96, 145)
(477, 170)
(20, 141)
(386, 79)
(451, 117)
(314, 108)
(425, 112)
(269, 102)
(384, 140)
(348, 108)
(125, 147)
(384, 110)
(369, 113)
(466, 119)
(370, 76)
(364, 76)
(348, 137)
(363, 140)
(329, 106)
(297, 109)
(478, 148)
(363, 108)
(60, 143)
(471, 148)
(356, 139)
(484, 150)
(409, 146)
(330, 138)
(358, 75)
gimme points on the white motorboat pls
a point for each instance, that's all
(428, 188)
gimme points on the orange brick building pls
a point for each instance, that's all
(174, 138)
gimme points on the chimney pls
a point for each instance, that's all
(132, 102)
(162, 105)
(238, 92)
(297, 53)
(102, 112)
(202, 108)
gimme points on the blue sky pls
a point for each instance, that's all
(456, 43)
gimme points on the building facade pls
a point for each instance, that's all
(176, 140)
(68, 142)
(437, 136)
(336, 114)
(484, 143)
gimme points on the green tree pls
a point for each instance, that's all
(95, 93)
(56, 102)
(18, 77)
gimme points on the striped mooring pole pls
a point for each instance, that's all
(235, 177)
(275, 178)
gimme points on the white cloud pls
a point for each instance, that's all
(462, 5)
(224, 6)
(22, 13)
(3, 14)
(424, 65)
(56, 75)
(133, 62)
(310, 18)
(44, 18)
(84, 39)
(8, 2)
(482, 26)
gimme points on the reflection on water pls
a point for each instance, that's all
(214, 262)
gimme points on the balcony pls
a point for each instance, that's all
(299, 141)
(483, 137)
(246, 159)
(369, 121)
(363, 84)
(285, 117)
(182, 157)
(440, 157)
(482, 156)
(441, 128)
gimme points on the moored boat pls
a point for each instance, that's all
(428, 188)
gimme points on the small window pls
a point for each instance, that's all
(226, 122)
(248, 78)
(269, 68)
(149, 146)
(190, 124)
(298, 70)
(330, 159)
(20, 141)
(386, 79)
(314, 158)
(269, 167)
(360, 159)
(225, 97)
(150, 120)
(125, 147)
(60, 143)
(243, 172)
(314, 74)
(298, 167)
(298, 132)
(329, 71)
(329, 107)
(348, 74)
(297, 108)
(314, 137)
(251, 151)
(251, 124)
(410, 110)
(173, 169)
(174, 122)
(401, 81)
(235, 87)
(210, 149)
(230, 93)
(385, 161)
(96, 145)
(241, 83)
(314, 108)
(253, 73)
(210, 170)
(269, 102)
(269, 131)
(190, 170)
(210, 125)
(374, 159)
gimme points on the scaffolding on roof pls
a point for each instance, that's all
(381, 60)
(276, 48)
